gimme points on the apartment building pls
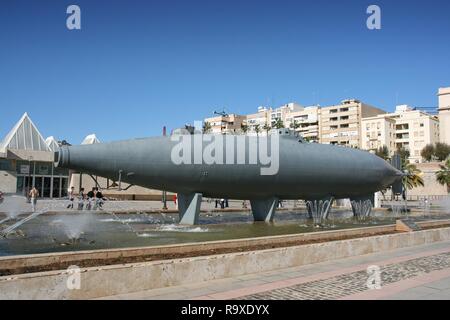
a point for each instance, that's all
(256, 122)
(283, 112)
(377, 132)
(226, 124)
(405, 128)
(306, 122)
(444, 114)
(341, 124)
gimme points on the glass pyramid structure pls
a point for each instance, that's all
(90, 139)
(24, 136)
(52, 144)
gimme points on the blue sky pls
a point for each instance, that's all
(136, 66)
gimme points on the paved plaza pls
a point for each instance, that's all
(19, 204)
(421, 272)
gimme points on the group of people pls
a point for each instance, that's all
(222, 202)
(92, 200)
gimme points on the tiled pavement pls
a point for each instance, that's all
(421, 272)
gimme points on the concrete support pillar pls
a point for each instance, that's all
(264, 210)
(189, 208)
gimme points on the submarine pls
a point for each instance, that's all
(262, 169)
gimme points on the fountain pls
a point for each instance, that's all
(12, 207)
(425, 204)
(361, 209)
(14, 226)
(319, 210)
(124, 222)
(399, 207)
(75, 225)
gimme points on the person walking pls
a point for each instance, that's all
(34, 194)
(71, 198)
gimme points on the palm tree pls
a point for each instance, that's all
(206, 127)
(257, 129)
(413, 177)
(295, 125)
(443, 175)
(266, 128)
(278, 124)
(244, 128)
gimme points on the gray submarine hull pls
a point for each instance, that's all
(309, 171)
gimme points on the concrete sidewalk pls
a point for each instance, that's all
(421, 272)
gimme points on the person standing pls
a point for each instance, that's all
(175, 199)
(81, 197)
(98, 199)
(71, 198)
(90, 198)
(34, 194)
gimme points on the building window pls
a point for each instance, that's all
(6, 165)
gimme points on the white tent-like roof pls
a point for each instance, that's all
(90, 139)
(51, 143)
(24, 136)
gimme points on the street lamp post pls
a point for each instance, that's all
(164, 193)
(30, 158)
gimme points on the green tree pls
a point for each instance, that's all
(206, 127)
(383, 152)
(427, 152)
(443, 175)
(442, 151)
(404, 154)
(266, 128)
(413, 177)
(278, 124)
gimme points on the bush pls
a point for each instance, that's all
(427, 152)
(442, 151)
